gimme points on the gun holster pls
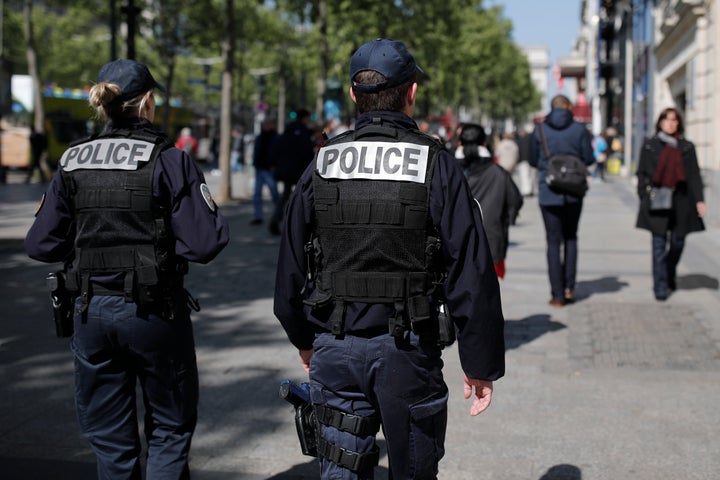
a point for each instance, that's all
(62, 304)
(305, 420)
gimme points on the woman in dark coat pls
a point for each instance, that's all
(668, 160)
(493, 188)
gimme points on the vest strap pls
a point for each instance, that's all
(84, 295)
(128, 286)
(396, 324)
(378, 287)
(337, 319)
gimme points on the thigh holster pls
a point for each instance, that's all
(354, 424)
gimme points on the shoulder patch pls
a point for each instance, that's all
(107, 154)
(40, 204)
(398, 161)
(207, 196)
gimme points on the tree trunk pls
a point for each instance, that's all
(165, 122)
(33, 69)
(228, 52)
(324, 60)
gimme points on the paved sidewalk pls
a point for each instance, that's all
(616, 386)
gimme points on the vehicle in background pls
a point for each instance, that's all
(68, 118)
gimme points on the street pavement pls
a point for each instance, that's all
(615, 386)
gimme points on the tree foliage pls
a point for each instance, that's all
(465, 49)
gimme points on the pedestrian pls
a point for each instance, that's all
(126, 224)
(507, 152)
(494, 189)
(390, 238)
(668, 160)
(187, 143)
(600, 154)
(237, 150)
(38, 150)
(264, 164)
(560, 212)
(525, 174)
(292, 152)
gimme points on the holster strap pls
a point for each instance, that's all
(347, 422)
(347, 458)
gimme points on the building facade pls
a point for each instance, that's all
(641, 56)
(687, 76)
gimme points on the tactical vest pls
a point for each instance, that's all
(120, 229)
(374, 241)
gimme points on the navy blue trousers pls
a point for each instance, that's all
(116, 346)
(399, 380)
(666, 252)
(561, 225)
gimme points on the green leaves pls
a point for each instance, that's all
(465, 48)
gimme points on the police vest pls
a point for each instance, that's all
(120, 229)
(374, 239)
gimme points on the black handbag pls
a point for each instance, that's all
(660, 198)
(565, 173)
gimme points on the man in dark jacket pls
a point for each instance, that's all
(390, 220)
(292, 152)
(264, 164)
(561, 212)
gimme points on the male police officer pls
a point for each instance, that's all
(381, 229)
(126, 212)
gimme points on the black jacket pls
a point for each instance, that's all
(471, 288)
(500, 200)
(292, 151)
(683, 218)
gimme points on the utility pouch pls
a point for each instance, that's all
(446, 329)
(62, 304)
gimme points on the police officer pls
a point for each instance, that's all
(381, 230)
(126, 212)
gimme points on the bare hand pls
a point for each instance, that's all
(701, 210)
(483, 394)
(305, 356)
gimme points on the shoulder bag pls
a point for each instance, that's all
(565, 173)
(660, 198)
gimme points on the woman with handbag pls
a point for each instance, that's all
(671, 197)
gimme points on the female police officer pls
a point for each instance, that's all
(125, 212)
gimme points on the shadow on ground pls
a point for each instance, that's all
(520, 332)
(41, 469)
(586, 288)
(697, 280)
(562, 472)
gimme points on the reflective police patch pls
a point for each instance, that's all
(207, 196)
(399, 161)
(40, 204)
(107, 154)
